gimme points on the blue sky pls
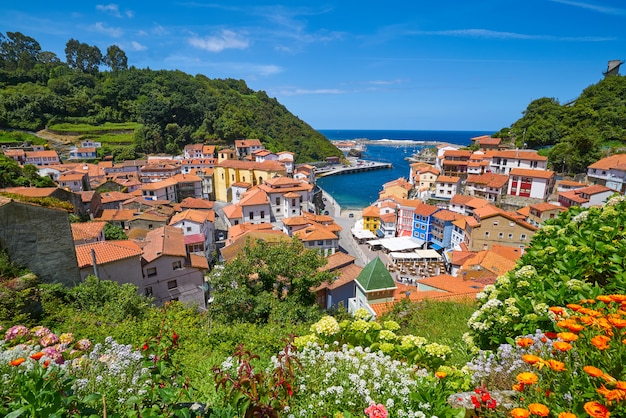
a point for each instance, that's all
(453, 65)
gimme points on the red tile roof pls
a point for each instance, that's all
(106, 252)
(83, 231)
(609, 162)
(541, 174)
(166, 240)
(448, 179)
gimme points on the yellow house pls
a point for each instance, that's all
(396, 188)
(229, 171)
(371, 218)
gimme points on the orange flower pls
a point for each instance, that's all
(518, 387)
(539, 409)
(527, 378)
(617, 321)
(597, 410)
(46, 364)
(574, 327)
(566, 415)
(562, 346)
(520, 413)
(570, 324)
(567, 336)
(573, 306)
(601, 342)
(525, 342)
(593, 371)
(531, 358)
(587, 320)
(557, 310)
(37, 356)
(557, 366)
(611, 395)
(605, 298)
(618, 298)
(620, 385)
(441, 375)
(590, 312)
(17, 361)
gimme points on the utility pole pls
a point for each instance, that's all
(95, 265)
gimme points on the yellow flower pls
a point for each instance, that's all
(539, 409)
(567, 336)
(557, 366)
(520, 413)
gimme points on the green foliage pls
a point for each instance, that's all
(114, 232)
(175, 108)
(20, 137)
(577, 256)
(19, 293)
(577, 131)
(48, 202)
(268, 282)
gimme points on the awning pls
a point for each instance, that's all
(435, 246)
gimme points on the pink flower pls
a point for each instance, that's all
(83, 344)
(376, 411)
(16, 332)
(39, 331)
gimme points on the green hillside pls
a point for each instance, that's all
(575, 134)
(170, 108)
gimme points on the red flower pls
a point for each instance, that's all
(175, 337)
(145, 347)
(17, 361)
(37, 356)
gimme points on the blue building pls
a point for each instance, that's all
(423, 220)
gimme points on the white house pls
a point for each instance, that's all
(537, 184)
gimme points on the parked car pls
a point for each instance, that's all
(326, 212)
(351, 215)
(220, 236)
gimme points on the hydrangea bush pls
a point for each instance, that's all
(579, 255)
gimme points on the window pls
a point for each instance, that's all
(177, 265)
(251, 215)
(522, 237)
(495, 223)
(188, 229)
(148, 291)
(486, 234)
(510, 236)
(320, 243)
(293, 202)
(278, 200)
(152, 271)
(262, 214)
(172, 284)
(501, 235)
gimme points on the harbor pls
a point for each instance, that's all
(355, 166)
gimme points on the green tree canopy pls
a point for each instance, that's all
(266, 281)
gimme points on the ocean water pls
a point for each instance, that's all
(359, 190)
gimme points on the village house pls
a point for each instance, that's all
(371, 218)
(446, 187)
(190, 166)
(387, 227)
(609, 172)
(168, 272)
(399, 188)
(586, 197)
(337, 293)
(478, 163)
(319, 238)
(491, 225)
(287, 159)
(39, 158)
(486, 143)
(76, 182)
(502, 162)
(113, 200)
(374, 285)
(245, 147)
(18, 155)
(534, 184)
(567, 185)
(155, 171)
(228, 171)
(288, 197)
(455, 162)
(488, 186)
(91, 203)
(118, 261)
(441, 150)
(305, 172)
(422, 222)
(199, 151)
(87, 232)
(539, 213)
(255, 207)
(442, 228)
(405, 210)
(199, 230)
(86, 153)
(423, 177)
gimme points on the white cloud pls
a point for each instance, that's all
(297, 91)
(114, 9)
(227, 39)
(384, 82)
(136, 46)
(593, 7)
(490, 34)
(102, 28)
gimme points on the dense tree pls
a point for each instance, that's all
(114, 232)
(18, 51)
(83, 57)
(115, 58)
(267, 281)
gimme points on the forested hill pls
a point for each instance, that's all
(578, 133)
(38, 89)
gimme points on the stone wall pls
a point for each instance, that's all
(40, 239)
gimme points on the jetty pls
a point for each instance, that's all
(355, 166)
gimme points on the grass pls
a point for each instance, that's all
(111, 138)
(84, 128)
(442, 322)
(15, 136)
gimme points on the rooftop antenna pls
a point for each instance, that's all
(613, 68)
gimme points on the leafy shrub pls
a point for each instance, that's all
(577, 256)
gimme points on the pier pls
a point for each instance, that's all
(356, 166)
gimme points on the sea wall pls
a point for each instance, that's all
(40, 239)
